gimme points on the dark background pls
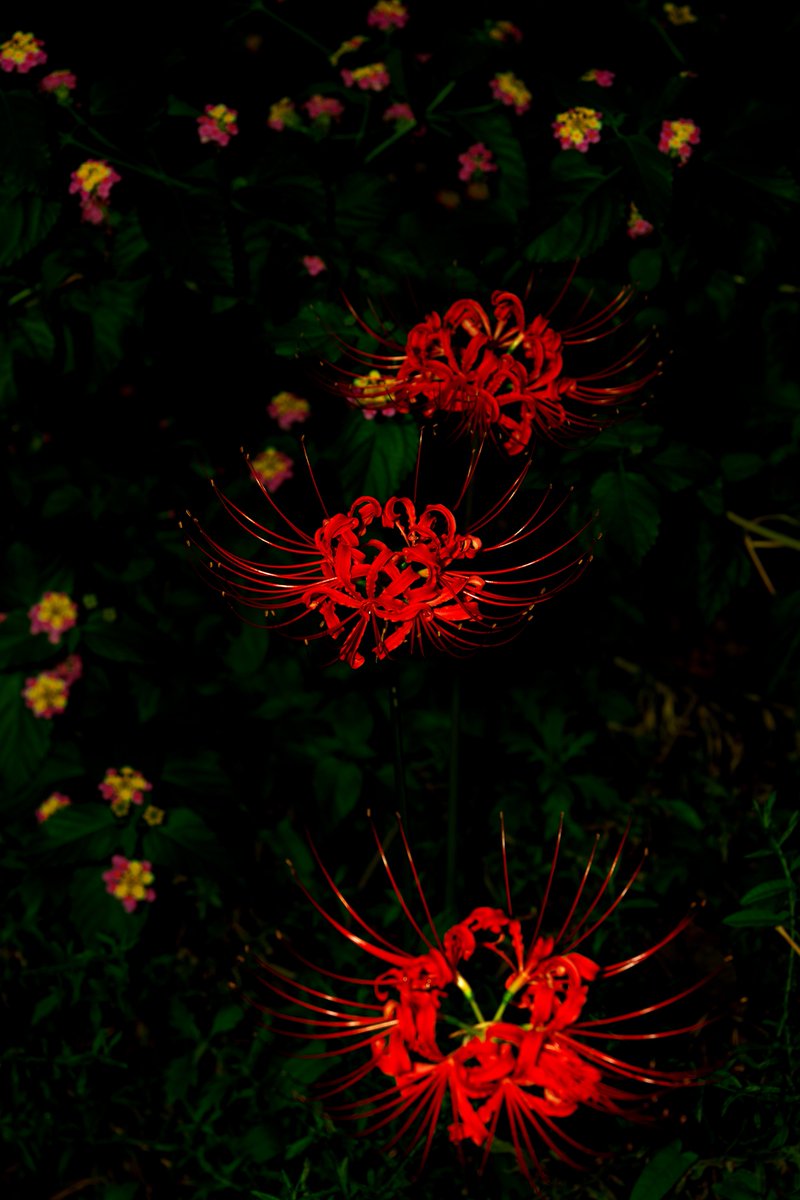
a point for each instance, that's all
(661, 689)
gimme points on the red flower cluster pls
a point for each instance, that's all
(386, 573)
(531, 1064)
(505, 375)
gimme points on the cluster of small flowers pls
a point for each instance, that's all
(217, 124)
(59, 84)
(602, 78)
(678, 137)
(578, 128)
(288, 409)
(510, 90)
(679, 14)
(128, 881)
(399, 112)
(476, 161)
(47, 693)
(54, 614)
(93, 181)
(504, 31)
(21, 52)
(637, 226)
(52, 804)
(123, 788)
(387, 15)
(370, 78)
(272, 468)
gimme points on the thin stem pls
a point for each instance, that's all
(452, 796)
(399, 758)
(781, 539)
(790, 938)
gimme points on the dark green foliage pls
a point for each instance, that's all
(659, 691)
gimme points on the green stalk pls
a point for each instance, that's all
(399, 758)
(452, 797)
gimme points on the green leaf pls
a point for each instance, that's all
(679, 466)
(755, 917)
(183, 834)
(645, 269)
(377, 455)
(24, 738)
(25, 220)
(740, 466)
(628, 506)
(583, 229)
(653, 187)
(227, 1018)
(198, 772)
(723, 568)
(662, 1172)
(765, 891)
(337, 784)
(247, 649)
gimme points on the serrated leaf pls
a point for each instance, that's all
(247, 649)
(629, 514)
(25, 221)
(183, 834)
(580, 231)
(227, 1018)
(24, 738)
(663, 1172)
(653, 187)
(377, 455)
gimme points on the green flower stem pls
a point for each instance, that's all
(399, 758)
(791, 938)
(466, 991)
(452, 797)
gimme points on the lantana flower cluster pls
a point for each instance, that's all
(128, 880)
(370, 78)
(21, 52)
(92, 182)
(578, 128)
(47, 693)
(272, 468)
(637, 225)
(59, 84)
(476, 161)
(510, 90)
(601, 77)
(54, 615)
(387, 14)
(123, 787)
(54, 802)
(217, 124)
(288, 409)
(678, 137)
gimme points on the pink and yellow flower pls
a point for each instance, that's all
(46, 694)
(504, 31)
(21, 52)
(372, 78)
(54, 615)
(314, 264)
(128, 880)
(477, 160)
(377, 395)
(217, 124)
(578, 128)
(288, 409)
(388, 14)
(323, 108)
(600, 77)
(93, 181)
(399, 112)
(637, 226)
(124, 787)
(511, 91)
(679, 14)
(70, 669)
(678, 137)
(59, 84)
(347, 47)
(272, 468)
(283, 115)
(52, 804)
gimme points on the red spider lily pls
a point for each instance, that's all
(506, 376)
(526, 1068)
(386, 573)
